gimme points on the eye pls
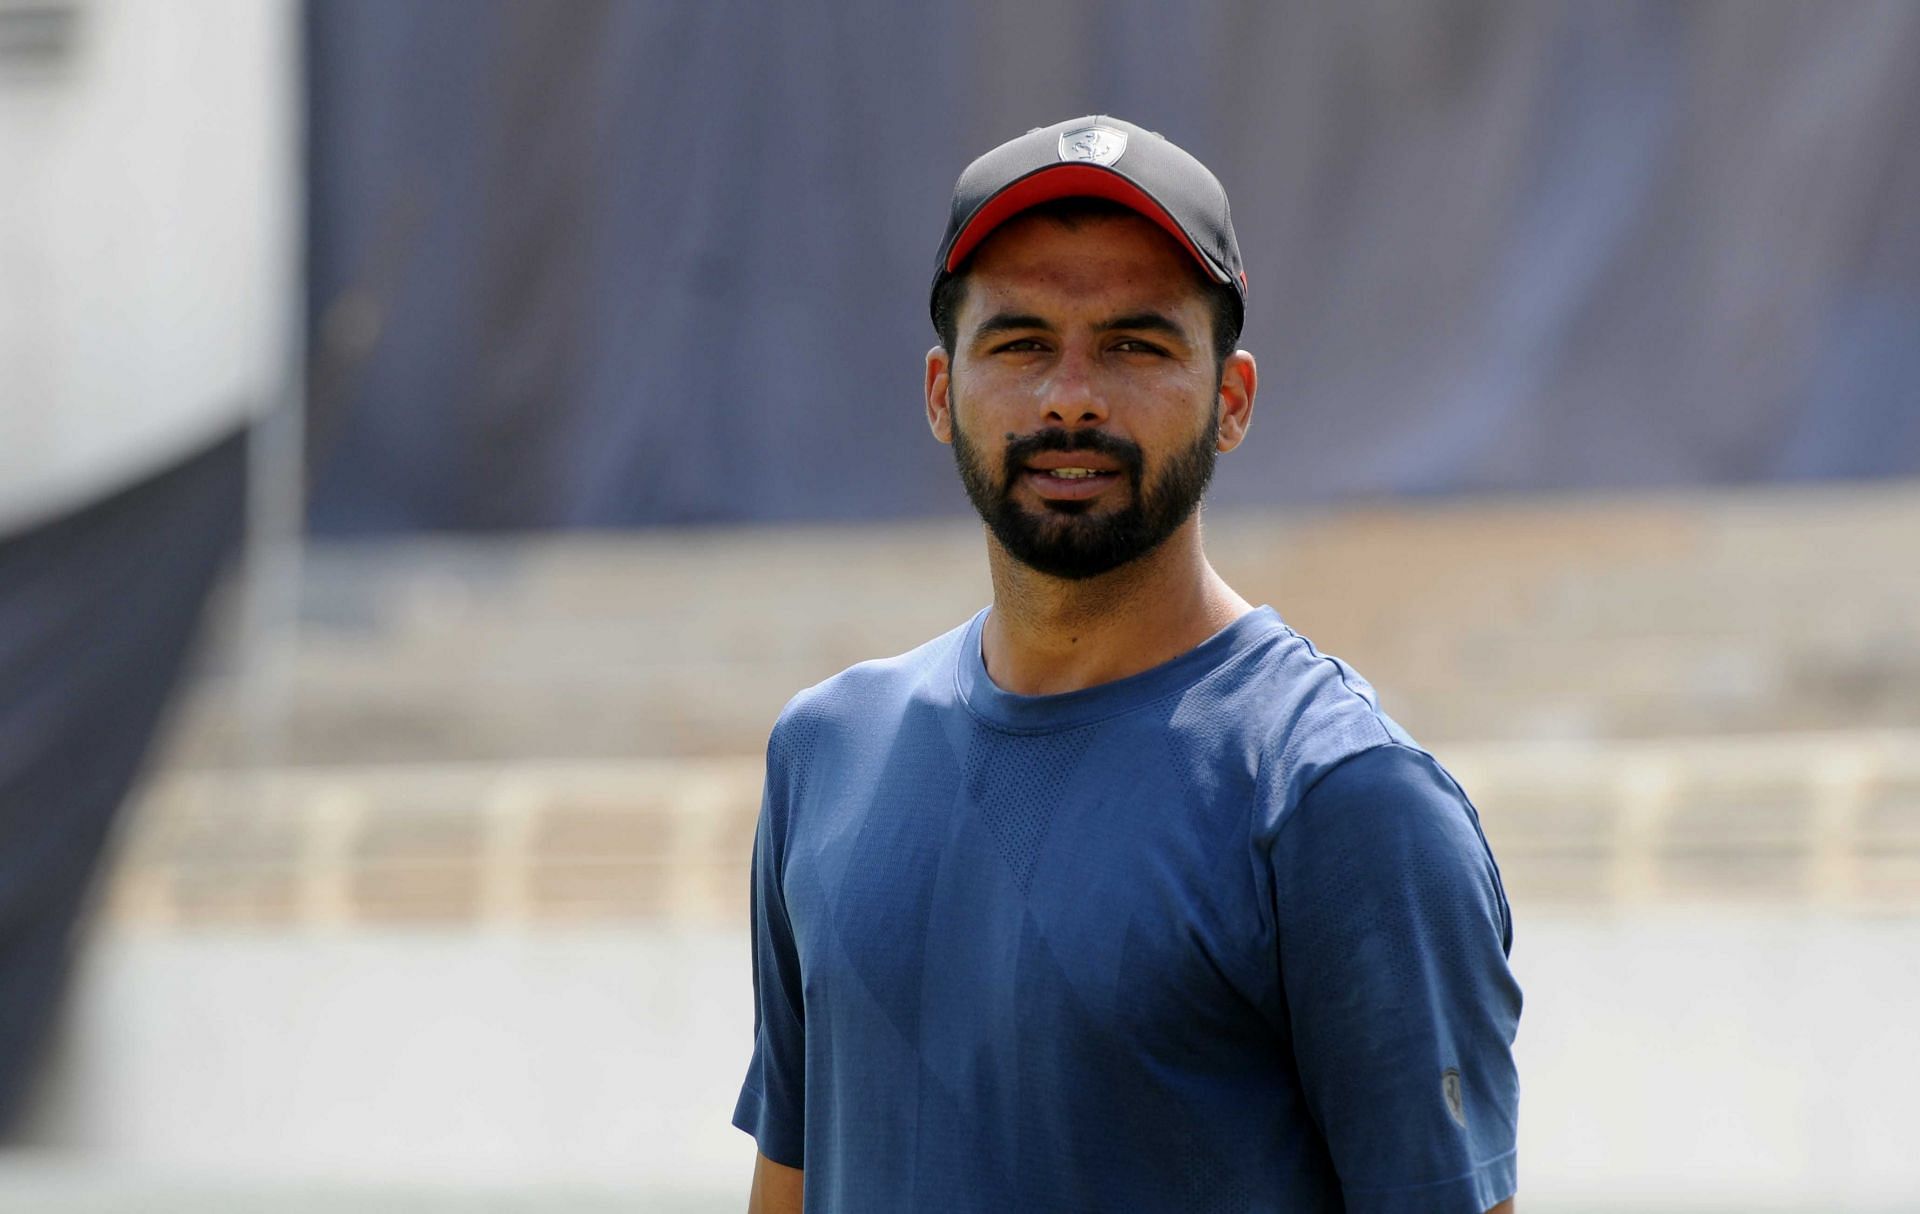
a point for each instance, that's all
(1019, 345)
(1138, 345)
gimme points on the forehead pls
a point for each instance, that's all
(1098, 259)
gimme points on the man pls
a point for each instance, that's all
(1120, 896)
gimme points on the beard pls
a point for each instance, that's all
(1071, 539)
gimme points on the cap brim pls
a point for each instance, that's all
(1070, 181)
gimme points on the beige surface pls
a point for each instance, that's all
(1789, 610)
(1670, 1058)
(1825, 820)
(1690, 699)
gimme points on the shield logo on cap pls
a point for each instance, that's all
(1094, 144)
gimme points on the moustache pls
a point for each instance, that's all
(1123, 451)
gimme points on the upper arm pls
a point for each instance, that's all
(1392, 936)
(772, 1100)
(777, 1188)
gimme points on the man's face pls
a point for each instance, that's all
(1084, 396)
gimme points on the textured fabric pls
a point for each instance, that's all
(1215, 937)
(601, 264)
(97, 612)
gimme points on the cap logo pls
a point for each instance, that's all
(1093, 144)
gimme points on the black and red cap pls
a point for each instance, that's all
(1096, 157)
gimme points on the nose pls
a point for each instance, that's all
(1072, 397)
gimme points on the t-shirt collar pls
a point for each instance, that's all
(1038, 714)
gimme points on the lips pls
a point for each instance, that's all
(1069, 481)
(1062, 467)
(1055, 461)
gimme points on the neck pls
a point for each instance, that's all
(1048, 635)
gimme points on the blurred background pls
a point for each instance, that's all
(437, 437)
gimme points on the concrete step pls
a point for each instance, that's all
(1779, 609)
(1826, 820)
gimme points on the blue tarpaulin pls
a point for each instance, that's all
(604, 264)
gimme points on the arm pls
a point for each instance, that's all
(776, 1188)
(1505, 1207)
(1400, 1005)
(772, 1104)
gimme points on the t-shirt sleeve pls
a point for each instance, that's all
(773, 1097)
(1393, 934)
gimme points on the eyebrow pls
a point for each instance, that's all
(1005, 322)
(1148, 322)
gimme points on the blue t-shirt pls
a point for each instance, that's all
(1214, 937)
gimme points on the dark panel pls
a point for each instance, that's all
(98, 610)
(604, 264)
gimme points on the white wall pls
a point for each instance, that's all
(148, 241)
(1671, 1059)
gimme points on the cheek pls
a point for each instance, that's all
(987, 386)
(978, 404)
(1185, 424)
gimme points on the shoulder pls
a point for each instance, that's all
(841, 724)
(1339, 777)
(1390, 814)
(1307, 713)
(1387, 791)
(849, 704)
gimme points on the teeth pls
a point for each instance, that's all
(1074, 473)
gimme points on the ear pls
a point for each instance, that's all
(939, 401)
(1239, 380)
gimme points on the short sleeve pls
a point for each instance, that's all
(1393, 934)
(773, 1097)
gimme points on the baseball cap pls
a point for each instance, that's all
(1096, 157)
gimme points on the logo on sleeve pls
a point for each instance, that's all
(1456, 1103)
